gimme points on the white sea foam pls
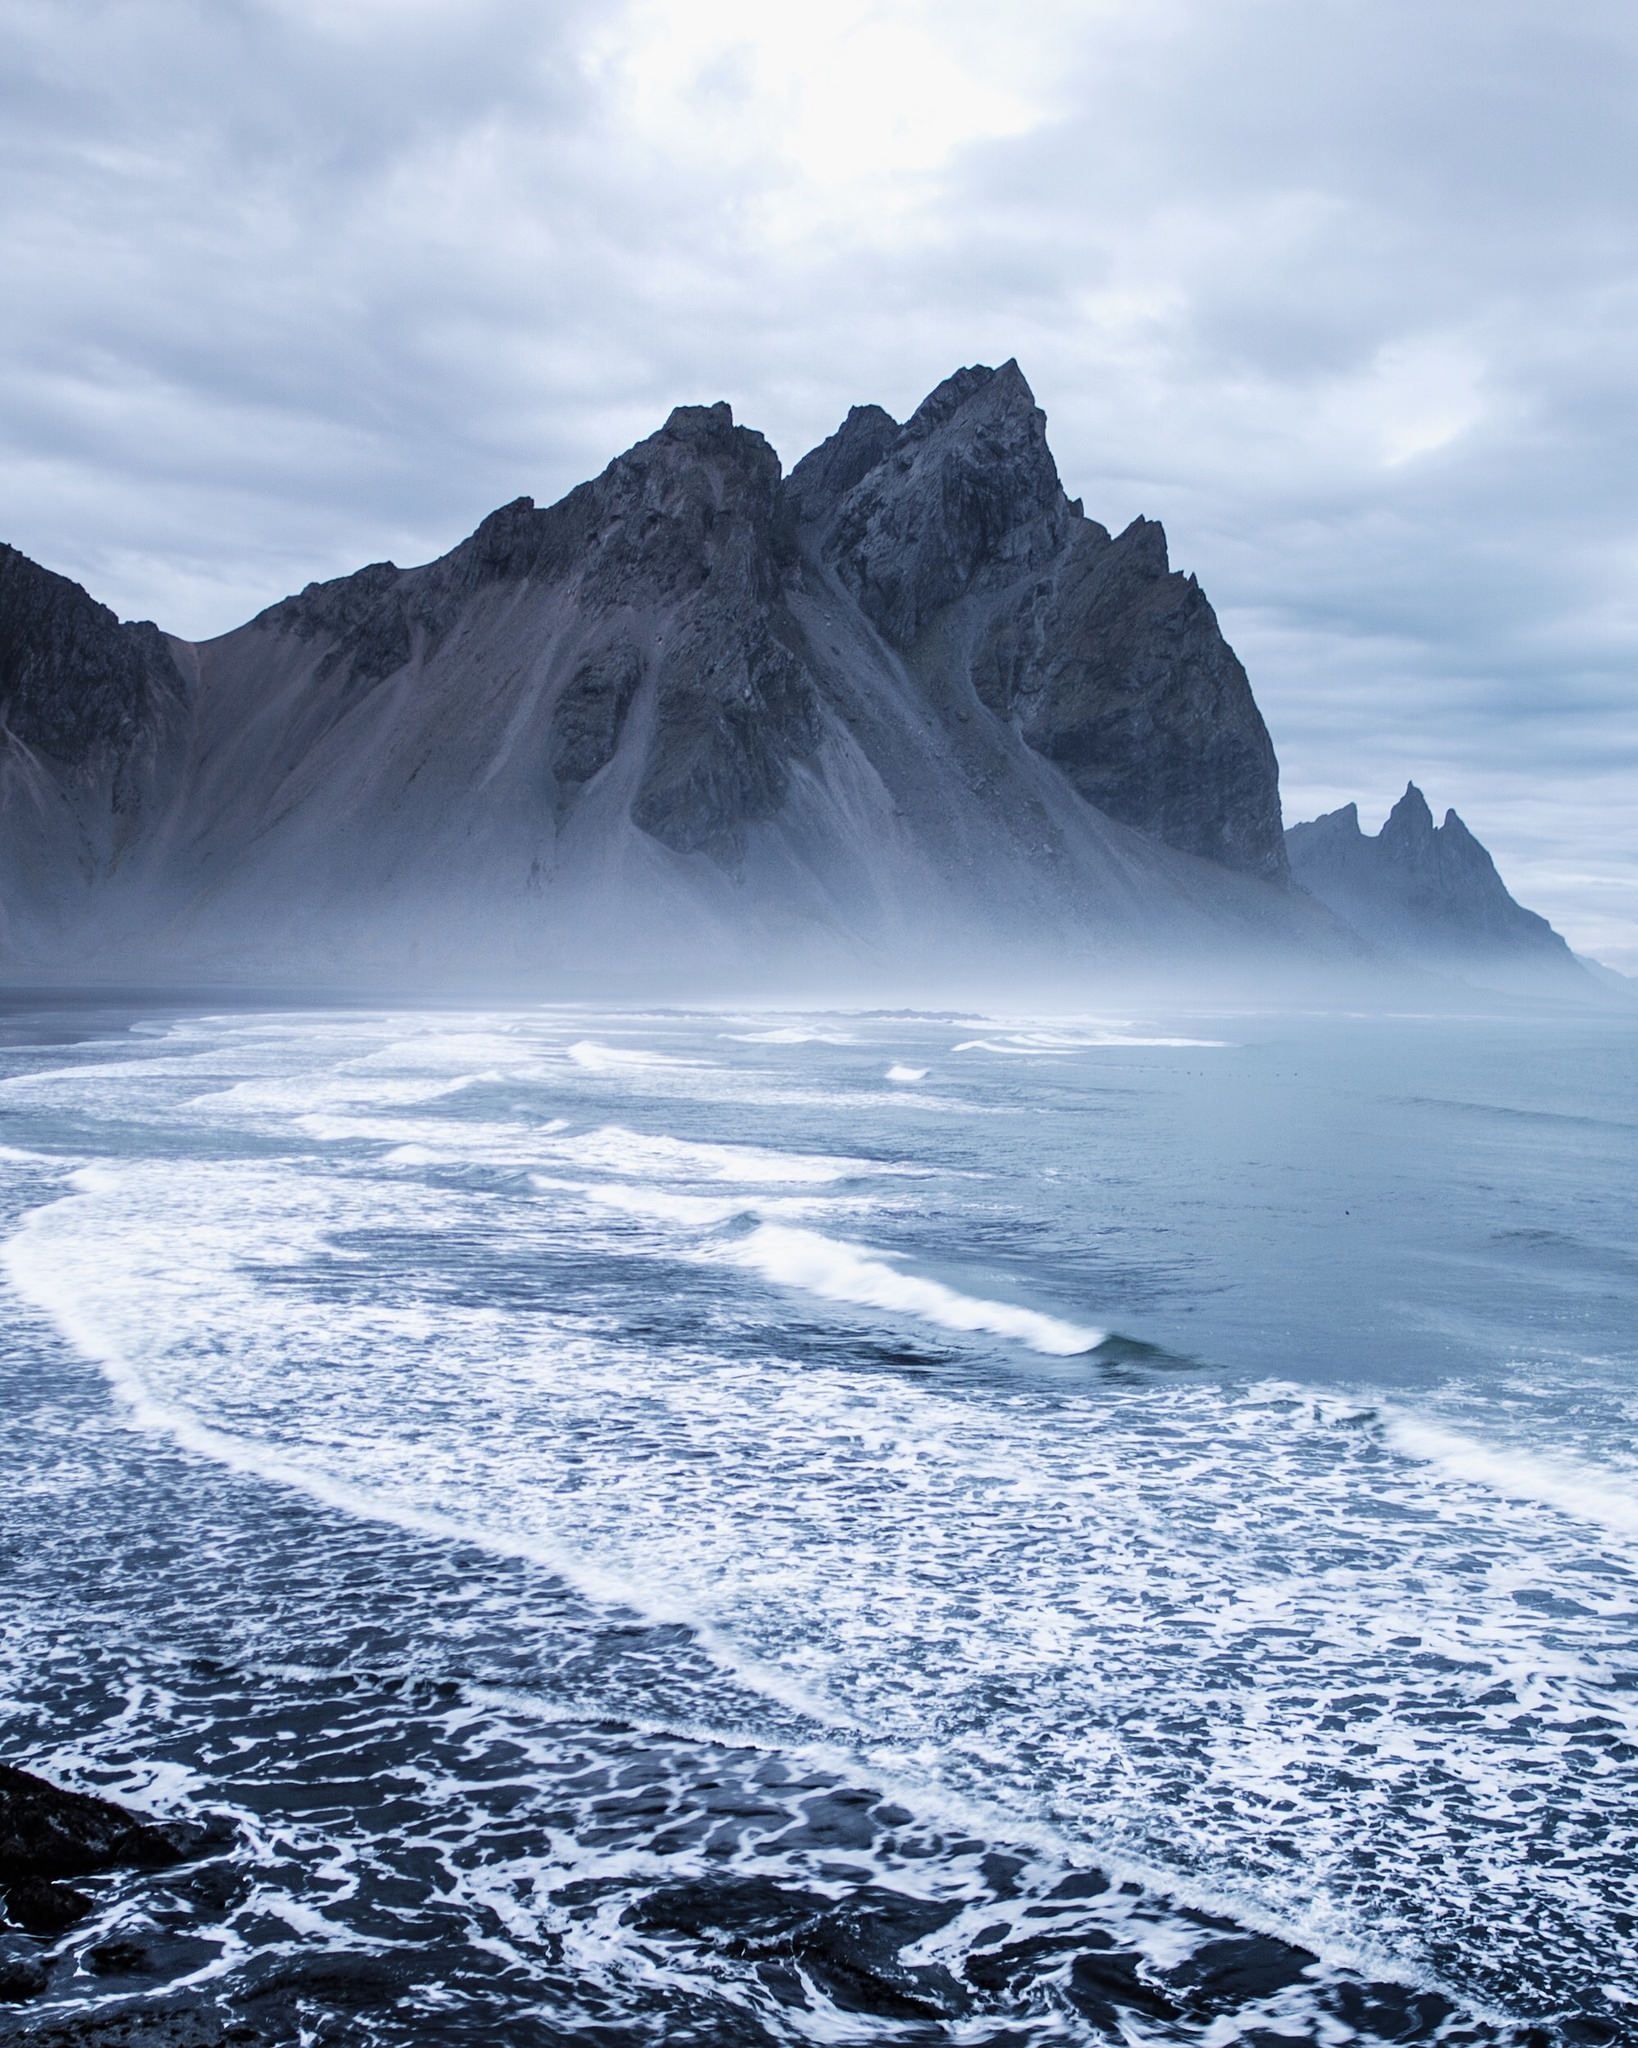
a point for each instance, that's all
(621, 1059)
(609, 1148)
(847, 1272)
(692, 1212)
(284, 1093)
(67, 1081)
(128, 1313)
(1013, 1047)
(899, 1072)
(655, 1205)
(614, 1149)
(1061, 1044)
(437, 1051)
(444, 1141)
(790, 1034)
(882, 1556)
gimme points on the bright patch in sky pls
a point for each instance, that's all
(835, 104)
(1425, 396)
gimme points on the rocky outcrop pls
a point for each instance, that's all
(693, 519)
(962, 501)
(1424, 890)
(173, 2020)
(1123, 680)
(75, 685)
(48, 1833)
(690, 524)
(907, 700)
(957, 538)
(824, 476)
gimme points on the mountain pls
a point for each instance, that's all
(1428, 892)
(906, 704)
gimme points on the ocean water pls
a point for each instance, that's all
(841, 1528)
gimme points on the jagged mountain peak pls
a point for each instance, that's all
(966, 491)
(1410, 822)
(947, 398)
(1000, 390)
(696, 440)
(699, 422)
(1143, 542)
(824, 476)
(1428, 890)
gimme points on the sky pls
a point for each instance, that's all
(1343, 291)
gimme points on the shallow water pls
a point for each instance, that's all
(843, 1528)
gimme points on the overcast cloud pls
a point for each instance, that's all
(1345, 291)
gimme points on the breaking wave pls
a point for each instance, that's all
(837, 1271)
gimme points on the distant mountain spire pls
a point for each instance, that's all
(1420, 888)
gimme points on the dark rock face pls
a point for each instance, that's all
(1106, 663)
(75, 684)
(592, 711)
(41, 1908)
(692, 519)
(180, 2020)
(825, 475)
(736, 709)
(1119, 675)
(21, 1977)
(1418, 887)
(47, 1832)
(363, 614)
(689, 523)
(966, 495)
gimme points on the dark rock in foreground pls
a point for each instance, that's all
(41, 1907)
(21, 1977)
(179, 2020)
(48, 1832)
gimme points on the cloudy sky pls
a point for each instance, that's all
(1345, 291)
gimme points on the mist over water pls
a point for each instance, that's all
(849, 1526)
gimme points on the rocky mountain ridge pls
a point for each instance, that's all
(1423, 891)
(907, 699)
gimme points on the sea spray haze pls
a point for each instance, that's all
(846, 1526)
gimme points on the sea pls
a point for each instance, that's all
(740, 1526)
